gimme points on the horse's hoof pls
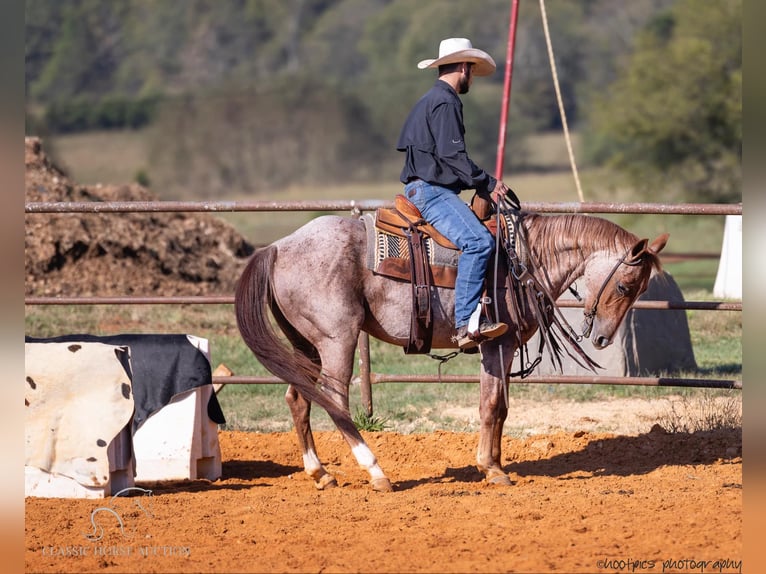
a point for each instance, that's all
(325, 482)
(382, 485)
(499, 478)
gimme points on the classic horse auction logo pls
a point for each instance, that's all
(105, 512)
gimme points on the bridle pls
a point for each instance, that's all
(590, 314)
(528, 296)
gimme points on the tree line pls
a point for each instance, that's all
(257, 93)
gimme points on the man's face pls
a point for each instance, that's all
(464, 84)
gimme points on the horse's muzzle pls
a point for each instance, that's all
(601, 342)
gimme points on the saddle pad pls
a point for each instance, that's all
(388, 255)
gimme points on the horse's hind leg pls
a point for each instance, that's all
(300, 408)
(337, 367)
(362, 453)
(301, 411)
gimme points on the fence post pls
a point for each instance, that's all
(364, 372)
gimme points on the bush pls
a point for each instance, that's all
(704, 411)
(109, 112)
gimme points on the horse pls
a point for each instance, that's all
(315, 287)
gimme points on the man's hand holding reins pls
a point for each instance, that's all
(500, 190)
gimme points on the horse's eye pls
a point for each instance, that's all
(622, 289)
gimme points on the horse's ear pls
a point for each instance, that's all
(659, 243)
(638, 250)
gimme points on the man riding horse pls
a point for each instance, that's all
(302, 301)
(437, 168)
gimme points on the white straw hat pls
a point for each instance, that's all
(454, 50)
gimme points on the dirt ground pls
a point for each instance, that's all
(580, 502)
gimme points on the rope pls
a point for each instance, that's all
(498, 234)
(560, 101)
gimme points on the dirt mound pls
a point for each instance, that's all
(112, 254)
(580, 502)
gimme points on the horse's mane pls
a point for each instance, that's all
(555, 235)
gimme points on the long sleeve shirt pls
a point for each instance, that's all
(433, 140)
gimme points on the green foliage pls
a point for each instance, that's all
(372, 423)
(110, 112)
(142, 178)
(675, 114)
(83, 43)
(345, 67)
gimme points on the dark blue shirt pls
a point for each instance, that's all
(433, 139)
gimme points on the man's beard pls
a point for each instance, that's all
(463, 85)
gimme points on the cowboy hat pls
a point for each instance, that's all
(454, 50)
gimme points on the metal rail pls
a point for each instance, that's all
(366, 205)
(229, 300)
(376, 378)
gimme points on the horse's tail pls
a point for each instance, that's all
(253, 300)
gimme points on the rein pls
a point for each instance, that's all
(527, 293)
(518, 271)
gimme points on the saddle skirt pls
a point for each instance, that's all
(388, 255)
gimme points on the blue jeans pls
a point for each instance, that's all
(453, 218)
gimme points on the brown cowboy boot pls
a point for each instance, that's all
(467, 340)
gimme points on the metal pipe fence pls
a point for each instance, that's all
(367, 205)
(229, 300)
(366, 376)
(376, 378)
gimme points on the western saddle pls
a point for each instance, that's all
(405, 220)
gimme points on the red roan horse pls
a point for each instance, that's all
(317, 286)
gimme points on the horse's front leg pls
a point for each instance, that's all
(492, 412)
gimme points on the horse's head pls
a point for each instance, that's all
(614, 285)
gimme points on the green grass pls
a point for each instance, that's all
(100, 157)
(717, 340)
(369, 422)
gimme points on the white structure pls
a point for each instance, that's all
(180, 441)
(728, 281)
